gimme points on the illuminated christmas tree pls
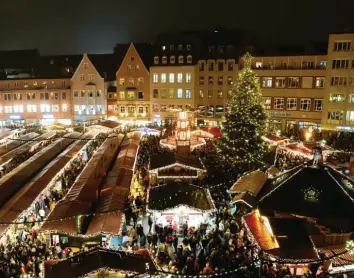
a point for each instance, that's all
(245, 122)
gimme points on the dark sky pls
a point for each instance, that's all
(76, 26)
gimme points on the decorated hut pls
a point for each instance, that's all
(176, 203)
(303, 209)
(175, 167)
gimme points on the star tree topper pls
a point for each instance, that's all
(247, 60)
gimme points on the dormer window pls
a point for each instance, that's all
(180, 47)
(172, 59)
(164, 59)
(180, 59)
(172, 47)
(163, 47)
(156, 60)
(189, 59)
(189, 47)
(51, 62)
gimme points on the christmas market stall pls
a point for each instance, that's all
(102, 262)
(316, 197)
(276, 140)
(114, 190)
(13, 144)
(173, 166)
(179, 202)
(69, 215)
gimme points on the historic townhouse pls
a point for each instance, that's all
(293, 89)
(131, 101)
(338, 112)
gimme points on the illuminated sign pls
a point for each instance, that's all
(15, 117)
(48, 116)
(347, 128)
(279, 114)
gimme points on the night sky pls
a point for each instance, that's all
(76, 26)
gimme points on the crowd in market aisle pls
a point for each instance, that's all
(285, 160)
(23, 250)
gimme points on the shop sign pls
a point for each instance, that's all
(346, 128)
(279, 114)
(15, 117)
(48, 116)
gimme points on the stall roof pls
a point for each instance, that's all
(286, 238)
(168, 159)
(12, 144)
(174, 194)
(96, 259)
(84, 192)
(251, 183)
(16, 179)
(115, 188)
(28, 194)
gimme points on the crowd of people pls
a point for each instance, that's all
(285, 160)
(23, 250)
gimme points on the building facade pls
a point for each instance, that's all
(133, 89)
(293, 90)
(338, 112)
(88, 92)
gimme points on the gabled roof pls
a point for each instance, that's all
(144, 50)
(175, 194)
(319, 192)
(251, 183)
(169, 159)
(286, 238)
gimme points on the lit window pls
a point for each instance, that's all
(179, 93)
(305, 104)
(179, 77)
(156, 60)
(172, 59)
(267, 82)
(259, 65)
(189, 59)
(122, 81)
(188, 93)
(140, 109)
(201, 94)
(164, 59)
(267, 102)
(188, 78)
(155, 78)
(129, 67)
(163, 107)
(131, 81)
(293, 82)
(350, 116)
(323, 64)
(137, 67)
(82, 77)
(64, 107)
(131, 95)
(171, 78)
(180, 59)
(280, 82)
(210, 80)
(121, 95)
(18, 108)
(55, 108)
(291, 103)
(45, 107)
(31, 108)
(351, 98)
(155, 107)
(336, 98)
(63, 95)
(220, 94)
(320, 81)
(278, 103)
(230, 66)
(76, 108)
(210, 93)
(318, 104)
(163, 77)
(8, 109)
(110, 107)
(335, 115)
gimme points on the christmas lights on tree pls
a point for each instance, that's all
(245, 122)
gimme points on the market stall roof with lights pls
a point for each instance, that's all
(168, 160)
(96, 259)
(319, 191)
(176, 194)
(283, 238)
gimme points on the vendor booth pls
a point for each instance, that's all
(177, 203)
